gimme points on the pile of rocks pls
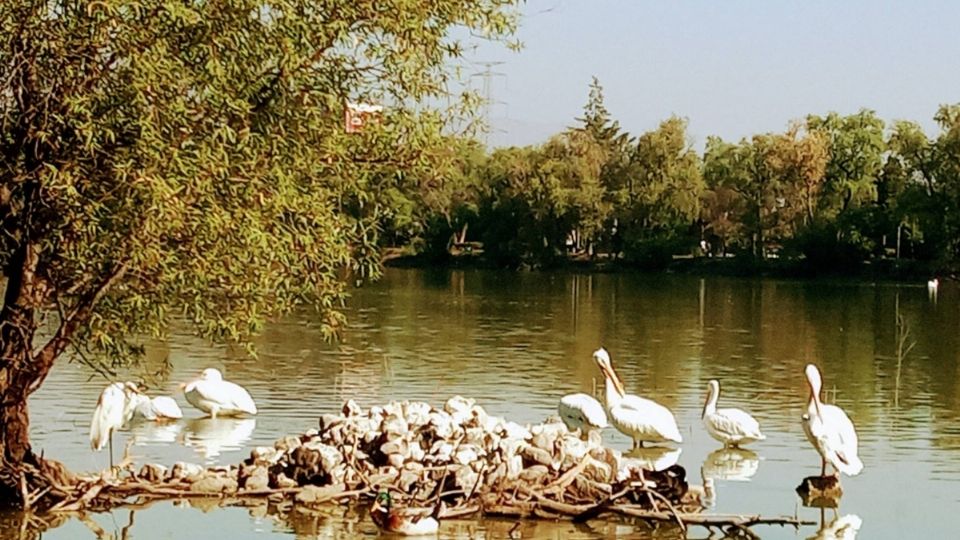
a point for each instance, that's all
(453, 453)
(454, 461)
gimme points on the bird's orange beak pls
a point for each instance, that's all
(616, 380)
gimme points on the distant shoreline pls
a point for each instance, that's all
(879, 270)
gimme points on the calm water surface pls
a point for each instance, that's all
(516, 342)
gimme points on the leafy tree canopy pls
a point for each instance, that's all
(167, 158)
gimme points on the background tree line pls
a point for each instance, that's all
(831, 190)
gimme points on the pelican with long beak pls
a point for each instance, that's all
(830, 431)
(732, 427)
(640, 419)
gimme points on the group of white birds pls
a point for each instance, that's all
(827, 427)
(120, 402)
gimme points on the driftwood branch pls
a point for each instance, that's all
(708, 520)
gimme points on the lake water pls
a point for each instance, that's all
(518, 341)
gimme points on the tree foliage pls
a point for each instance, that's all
(833, 189)
(188, 159)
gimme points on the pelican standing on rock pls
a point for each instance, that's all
(830, 431)
(640, 419)
(582, 412)
(215, 396)
(732, 427)
(113, 410)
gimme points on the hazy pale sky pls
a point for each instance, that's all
(732, 67)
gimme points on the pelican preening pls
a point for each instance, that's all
(159, 408)
(640, 419)
(582, 412)
(732, 427)
(120, 402)
(215, 396)
(830, 431)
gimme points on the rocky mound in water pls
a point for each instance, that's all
(453, 454)
(452, 461)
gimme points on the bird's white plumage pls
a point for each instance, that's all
(157, 408)
(166, 407)
(830, 430)
(217, 397)
(641, 419)
(583, 412)
(110, 414)
(730, 426)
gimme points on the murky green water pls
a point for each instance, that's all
(517, 342)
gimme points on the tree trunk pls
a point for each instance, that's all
(18, 372)
(15, 444)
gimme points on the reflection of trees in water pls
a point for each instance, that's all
(453, 331)
(905, 345)
(351, 521)
(360, 376)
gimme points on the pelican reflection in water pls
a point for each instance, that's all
(736, 464)
(147, 433)
(840, 528)
(652, 458)
(212, 436)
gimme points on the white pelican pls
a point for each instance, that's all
(830, 431)
(112, 412)
(932, 286)
(582, 412)
(732, 427)
(215, 396)
(159, 408)
(640, 419)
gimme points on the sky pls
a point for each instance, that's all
(733, 68)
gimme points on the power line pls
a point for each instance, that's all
(487, 75)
